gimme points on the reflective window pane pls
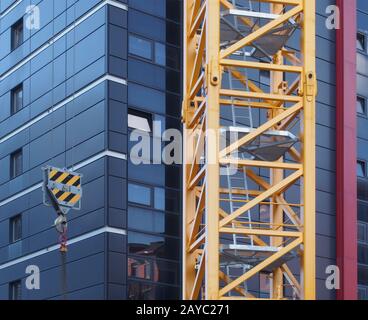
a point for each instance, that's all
(361, 41)
(155, 7)
(17, 34)
(173, 57)
(16, 163)
(363, 211)
(148, 220)
(17, 99)
(363, 275)
(160, 54)
(153, 270)
(160, 198)
(139, 122)
(15, 290)
(361, 105)
(16, 228)
(363, 254)
(140, 47)
(139, 194)
(153, 246)
(363, 189)
(361, 169)
(146, 291)
(363, 232)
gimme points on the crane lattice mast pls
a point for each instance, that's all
(249, 149)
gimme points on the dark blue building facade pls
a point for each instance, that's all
(71, 90)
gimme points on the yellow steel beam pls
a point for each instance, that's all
(277, 79)
(260, 66)
(309, 147)
(212, 150)
(262, 232)
(189, 198)
(259, 95)
(261, 164)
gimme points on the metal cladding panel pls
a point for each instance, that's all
(346, 182)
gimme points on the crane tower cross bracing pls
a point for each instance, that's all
(249, 149)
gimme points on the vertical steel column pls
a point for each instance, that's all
(213, 82)
(309, 149)
(277, 175)
(188, 195)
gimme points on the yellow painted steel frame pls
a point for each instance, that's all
(204, 221)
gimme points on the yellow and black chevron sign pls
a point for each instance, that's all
(65, 186)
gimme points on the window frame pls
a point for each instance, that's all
(14, 107)
(364, 37)
(364, 163)
(15, 234)
(17, 284)
(141, 114)
(151, 43)
(17, 29)
(151, 194)
(154, 44)
(365, 101)
(153, 198)
(14, 172)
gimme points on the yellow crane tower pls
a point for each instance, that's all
(249, 149)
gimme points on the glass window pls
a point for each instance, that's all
(172, 200)
(363, 275)
(140, 268)
(146, 25)
(147, 291)
(173, 33)
(362, 290)
(16, 163)
(155, 7)
(139, 120)
(159, 198)
(17, 99)
(147, 74)
(173, 57)
(363, 211)
(139, 194)
(363, 232)
(153, 270)
(361, 169)
(140, 47)
(146, 98)
(17, 34)
(16, 228)
(361, 41)
(363, 254)
(361, 105)
(363, 189)
(148, 220)
(15, 290)
(160, 53)
(153, 246)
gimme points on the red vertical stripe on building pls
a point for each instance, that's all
(346, 144)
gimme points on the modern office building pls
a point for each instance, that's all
(65, 101)
(74, 85)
